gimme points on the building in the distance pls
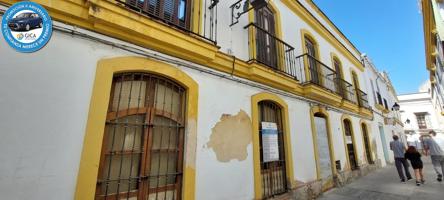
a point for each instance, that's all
(384, 102)
(189, 99)
(420, 115)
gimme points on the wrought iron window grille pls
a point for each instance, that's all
(243, 6)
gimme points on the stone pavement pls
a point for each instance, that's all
(384, 184)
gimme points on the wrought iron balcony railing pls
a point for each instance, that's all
(363, 99)
(347, 91)
(267, 49)
(318, 73)
(178, 14)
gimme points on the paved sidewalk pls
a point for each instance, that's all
(384, 184)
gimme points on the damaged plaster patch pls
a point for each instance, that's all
(231, 136)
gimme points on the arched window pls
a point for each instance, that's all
(357, 90)
(340, 84)
(338, 67)
(143, 144)
(315, 73)
(272, 151)
(266, 37)
(349, 137)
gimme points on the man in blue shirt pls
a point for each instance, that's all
(398, 149)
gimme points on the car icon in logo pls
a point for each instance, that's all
(25, 21)
(20, 36)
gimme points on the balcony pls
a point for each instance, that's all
(320, 81)
(318, 73)
(347, 91)
(267, 49)
(363, 99)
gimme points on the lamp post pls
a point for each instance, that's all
(396, 107)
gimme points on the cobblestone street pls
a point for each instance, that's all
(384, 184)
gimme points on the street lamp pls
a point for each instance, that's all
(407, 121)
(396, 107)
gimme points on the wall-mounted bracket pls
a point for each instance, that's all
(243, 6)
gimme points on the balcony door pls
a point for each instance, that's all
(312, 64)
(265, 38)
(340, 86)
(350, 146)
(356, 85)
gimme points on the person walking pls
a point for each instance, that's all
(398, 149)
(415, 159)
(434, 146)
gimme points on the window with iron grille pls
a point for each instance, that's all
(142, 151)
(175, 12)
(273, 173)
(421, 119)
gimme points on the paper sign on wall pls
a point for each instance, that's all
(349, 139)
(270, 147)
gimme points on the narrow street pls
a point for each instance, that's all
(384, 184)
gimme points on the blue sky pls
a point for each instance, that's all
(389, 31)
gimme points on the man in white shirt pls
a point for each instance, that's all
(434, 146)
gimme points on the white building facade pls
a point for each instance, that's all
(386, 119)
(420, 115)
(126, 104)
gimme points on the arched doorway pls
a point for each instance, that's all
(323, 149)
(367, 144)
(272, 150)
(349, 139)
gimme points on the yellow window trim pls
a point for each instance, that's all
(255, 99)
(90, 157)
(197, 14)
(355, 85)
(343, 118)
(321, 110)
(306, 34)
(277, 28)
(336, 57)
(362, 122)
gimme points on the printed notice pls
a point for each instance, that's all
(270, 147)
(349, 139)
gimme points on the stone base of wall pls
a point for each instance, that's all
(310, 191)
